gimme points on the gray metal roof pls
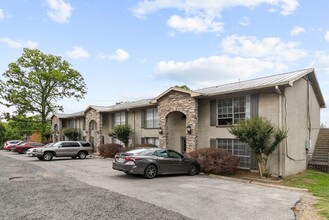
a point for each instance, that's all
(264, 82)
(259, 83)
(123, 106)
(73, 115)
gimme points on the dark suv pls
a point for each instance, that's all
(74, 149)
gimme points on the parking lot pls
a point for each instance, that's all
(196, 197)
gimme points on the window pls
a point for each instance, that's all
(151, 118)
(161, 153)
(92, 126)
(174, 154)
(70, 144)
(71, 123)
(152, 140)
(237, 148)
(233, 110)
(119, 118)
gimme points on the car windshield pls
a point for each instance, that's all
(49, 145)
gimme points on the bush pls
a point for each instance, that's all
(125, 149)
(215, 160)
(109, 150)
(71, 133)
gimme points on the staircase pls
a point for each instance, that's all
(320, 157)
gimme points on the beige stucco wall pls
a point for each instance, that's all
(205, 130)
(296, 155)
(269, 108)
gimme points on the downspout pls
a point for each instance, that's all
(278, 91)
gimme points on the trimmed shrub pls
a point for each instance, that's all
(109, 150)
(125, 149)
(215, 160)
(71, 133)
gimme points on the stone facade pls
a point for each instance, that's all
(94, 135)
(175, 101)
(56, 128)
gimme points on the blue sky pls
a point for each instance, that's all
(129, 50)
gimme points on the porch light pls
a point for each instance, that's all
(160, 130)
(188, 129)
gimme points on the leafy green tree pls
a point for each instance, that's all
(2, 134)
(182, 87)
(261, 136)
(37, 81)
(122, 133)
(71, 133)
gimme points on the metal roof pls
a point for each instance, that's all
(73, 115)
(264, 82)
(123, 106)
(260, 83)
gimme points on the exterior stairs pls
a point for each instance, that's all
(320, 158)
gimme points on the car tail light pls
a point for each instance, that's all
(131, 159)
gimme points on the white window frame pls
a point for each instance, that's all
(151, 118)
(232, 111)
(119, 118)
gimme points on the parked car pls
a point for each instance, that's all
(151, 162)
(32, 152)
(10, 143)
(23, 147)
(74, 149)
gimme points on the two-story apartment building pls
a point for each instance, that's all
(186, 120)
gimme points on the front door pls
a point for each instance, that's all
(183, 145)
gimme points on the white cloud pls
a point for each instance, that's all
(203, 15)
(77, 53)
(245, 21)
(19, 43)
(270, 48)
(296, 31)
(194, 24)
(120, 55)
(214, 70)
(326, 36)
(321, 61)
(209, 8)
(2, 14)
(60, 11)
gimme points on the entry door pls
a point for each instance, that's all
(183, 145)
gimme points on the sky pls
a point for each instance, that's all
(129, 50)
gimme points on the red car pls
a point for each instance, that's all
(11, 143)
(23, 147)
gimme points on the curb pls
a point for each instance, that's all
(256, 182)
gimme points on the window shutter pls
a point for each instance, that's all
(126, 115)
(142, 140)
(254, 105)
(142, 118)
(213, 142)
(213, 111)
(112, 118)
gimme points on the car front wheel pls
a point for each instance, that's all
(150, 171)
(47, 156)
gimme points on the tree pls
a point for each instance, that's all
(37, 81)
(261, 136)
(122, 133)
(182, 87)
(71, 134)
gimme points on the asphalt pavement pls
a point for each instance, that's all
(93, 184)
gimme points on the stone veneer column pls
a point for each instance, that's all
(93, 115)
(175, 101)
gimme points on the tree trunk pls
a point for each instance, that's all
(261, 164)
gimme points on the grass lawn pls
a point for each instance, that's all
(317, 183)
